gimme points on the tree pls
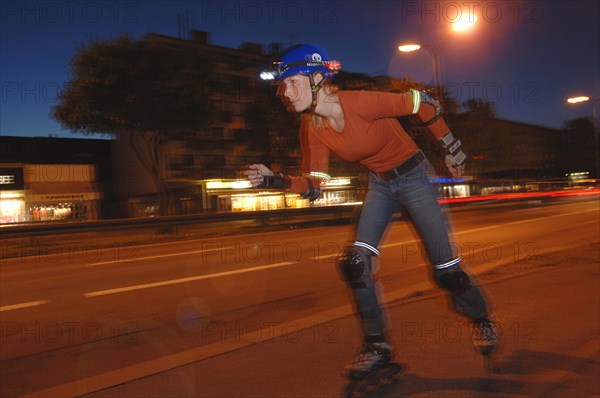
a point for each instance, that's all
(578, 149)
(275, 130)
(142, 91)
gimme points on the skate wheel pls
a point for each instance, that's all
(355, 394)
(373, 381)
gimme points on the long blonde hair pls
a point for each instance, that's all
(330, 89)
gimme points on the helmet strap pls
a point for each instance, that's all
(315, 87)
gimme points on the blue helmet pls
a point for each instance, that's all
(303, 59)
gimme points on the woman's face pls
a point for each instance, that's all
(295, 93)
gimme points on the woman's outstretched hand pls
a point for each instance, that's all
(256, 173)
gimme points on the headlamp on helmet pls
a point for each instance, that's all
(271, 73)
(304, 59)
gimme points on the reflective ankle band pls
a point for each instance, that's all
(448, 263)
(367, 246)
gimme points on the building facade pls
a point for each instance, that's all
(54, 179)
(218, 151)
(200, 171)
(502, 149)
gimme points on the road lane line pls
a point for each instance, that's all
(155, 366)
(227, 273)
(184, 280)
(91, 384)
(468, 231)
(134, 260)
(23, 305)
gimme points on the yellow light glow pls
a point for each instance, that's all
(10, 195)
(215, 185)
(241, 184)
(405, 48)
(11, 206)
(336, 182)
(11, 210)
(464, 23)
(218, 184)
(575, 100)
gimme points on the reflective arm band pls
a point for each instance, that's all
(318, 174)
(419, 98)
(416, 96)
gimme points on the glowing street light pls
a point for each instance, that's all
(464, 23)
(435, 61)
(406, 48)
(576, 100)
(596, 102)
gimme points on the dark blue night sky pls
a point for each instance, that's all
(526, 57)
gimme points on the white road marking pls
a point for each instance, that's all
(184, 280)
(240, 271)
(160, 364)
(23, 305)
(133, 260)
(468, 231)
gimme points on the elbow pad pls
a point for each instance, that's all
(451, 147)
(275, 182)
(421, 97)
(311, 193)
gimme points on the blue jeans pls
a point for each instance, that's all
(417, 198)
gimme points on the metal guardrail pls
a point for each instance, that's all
(57, 228)
(285, 215)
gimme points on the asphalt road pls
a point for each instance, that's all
(266, 314)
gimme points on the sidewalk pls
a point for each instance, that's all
(550, 326)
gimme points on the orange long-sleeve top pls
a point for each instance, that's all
(371, 137)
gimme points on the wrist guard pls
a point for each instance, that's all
(275, 182)
(450, 147)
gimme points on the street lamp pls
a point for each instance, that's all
(576, 100)
(435, 61)
(462, 24)
(594, 102)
